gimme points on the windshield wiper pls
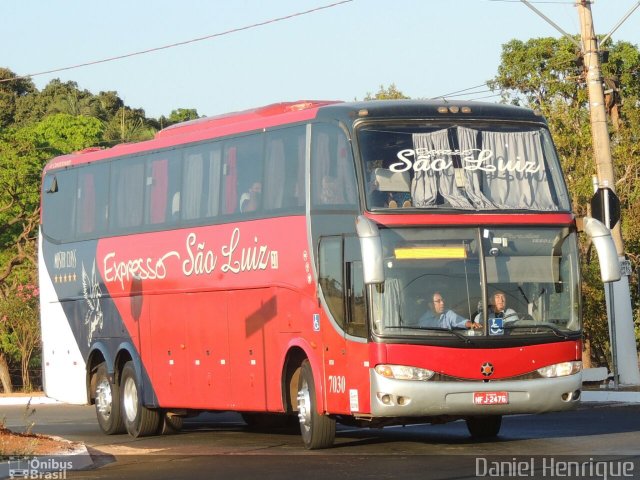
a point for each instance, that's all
(555, 330)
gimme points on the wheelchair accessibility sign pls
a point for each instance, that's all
(496, 326)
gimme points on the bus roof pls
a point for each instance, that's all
(292, 112)
(418, 109)
(201, 129)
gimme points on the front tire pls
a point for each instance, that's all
(318, 431)
(107, 402)
(484, 427)
(139, 420)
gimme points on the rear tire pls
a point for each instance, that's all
(139, 420)
(484, 427)
(107, 402)
(318, 431)
(169, 424)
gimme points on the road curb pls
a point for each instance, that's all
(610, 396)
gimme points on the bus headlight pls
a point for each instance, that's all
(402, 372)
(561, 369)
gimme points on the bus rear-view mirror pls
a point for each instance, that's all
(371, 246)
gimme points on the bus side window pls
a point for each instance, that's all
(127, 194)
(284, 169)
(192, 179)
(212, 181)
(201, 182)
(333, 176)
(330, 257)
(230, 180)
(85, 220)
(92, 200)
(157, 180)
(299, 190)
(59, 204)
(357, 306)
(162, 190)
(250, 165)
(275, 174)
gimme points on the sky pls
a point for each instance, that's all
(427, 48)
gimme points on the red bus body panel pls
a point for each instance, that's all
(211, 334)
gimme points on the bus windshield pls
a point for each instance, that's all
(480, 166)
(434, 280)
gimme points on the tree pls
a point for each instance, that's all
(110, 103)
(64, 133)
(182, 115)
(389, 93)
(19, 328)
(21, 162)
(547, 74)
(23, 153)
(12, 88)
(5, 377)
(540, 70)
(34, 127)
(128, 125)
(176, 116)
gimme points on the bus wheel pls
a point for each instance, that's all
(484, 427)
(107, 400)
(169, 424)
(138, 419)
(318, 431)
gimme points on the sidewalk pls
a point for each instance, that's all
(607, 393)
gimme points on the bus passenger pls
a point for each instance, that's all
(250, 200)
(438, 317)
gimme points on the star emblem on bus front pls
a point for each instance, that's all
(486, 369)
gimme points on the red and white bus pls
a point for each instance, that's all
(280, 262)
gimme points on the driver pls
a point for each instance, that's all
(437, 316)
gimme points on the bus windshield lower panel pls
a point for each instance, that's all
(492, 282)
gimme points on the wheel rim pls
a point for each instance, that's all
(130, 400)
(304, 408)
(104, 399)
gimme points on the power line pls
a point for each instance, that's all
(469, 93)
(178, 44)
(451, 94)
(486, 96)
(540, 1)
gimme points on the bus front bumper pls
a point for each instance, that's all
(408, 398)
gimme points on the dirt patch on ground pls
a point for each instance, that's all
(12, 444)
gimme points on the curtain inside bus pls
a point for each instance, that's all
(505, 181)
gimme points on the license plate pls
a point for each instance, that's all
(490, 398)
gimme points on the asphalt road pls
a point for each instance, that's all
(220, 446)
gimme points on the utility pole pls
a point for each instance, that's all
(621, 328)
